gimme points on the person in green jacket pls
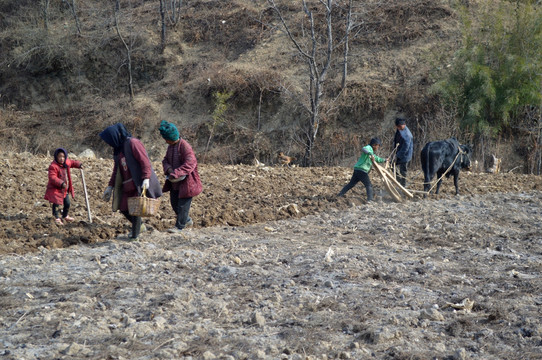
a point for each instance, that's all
(362, 168)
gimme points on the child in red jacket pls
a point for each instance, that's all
(60, 185)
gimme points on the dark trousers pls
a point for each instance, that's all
(401, 172)
(358, 176)
(181, 206)
(65, 209)
(136, 223)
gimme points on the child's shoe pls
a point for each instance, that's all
(59, 222)
(68, 219)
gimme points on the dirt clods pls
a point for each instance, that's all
(276, 267)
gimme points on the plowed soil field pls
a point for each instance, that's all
(276, 267)
(232, 196)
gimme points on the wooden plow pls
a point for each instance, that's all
(391, 184)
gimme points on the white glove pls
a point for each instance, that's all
(107, 193)
(145, 183)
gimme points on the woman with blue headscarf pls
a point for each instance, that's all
(132, 171)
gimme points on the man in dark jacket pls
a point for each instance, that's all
(403, 142)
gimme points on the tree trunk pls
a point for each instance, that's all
(538, 154)
(346, 48)
(46, 14)
(163, 33)
(260, 110)
(211, 133)
(175, 11)
(128, 52)
(73, 8)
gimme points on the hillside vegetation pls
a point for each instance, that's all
(70, 68)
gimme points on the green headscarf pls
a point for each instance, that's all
(169, 131)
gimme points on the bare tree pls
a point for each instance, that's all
(173, 10)
(128, 49)
(170, 11)
(346, 45)
(318, 59)
(46, 14)
(163, 21)
(71, 4)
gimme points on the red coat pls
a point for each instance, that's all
(185, 164)
(57, 176)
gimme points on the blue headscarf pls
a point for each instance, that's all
(169, 131)
(114, 136)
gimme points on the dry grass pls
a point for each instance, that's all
(369, 97)
(230, 27)
(231, 46)
(400, 22)
(247, 83)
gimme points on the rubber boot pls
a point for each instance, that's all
(370, 194)
(136, 228)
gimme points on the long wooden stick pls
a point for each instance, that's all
(86, 196)
(395, 181)
(392, 189)
(387, 183)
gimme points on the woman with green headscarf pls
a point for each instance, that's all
(182, 178)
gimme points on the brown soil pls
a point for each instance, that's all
(446, 277)
(233, 196)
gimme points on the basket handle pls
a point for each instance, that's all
(144, 189)
(144, 207)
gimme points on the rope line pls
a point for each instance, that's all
(447, 170)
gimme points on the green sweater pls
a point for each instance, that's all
(364, 163)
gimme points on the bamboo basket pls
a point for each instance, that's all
(143, 206)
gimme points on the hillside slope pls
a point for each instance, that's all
(62, 85)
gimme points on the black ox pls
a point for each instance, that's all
(438, 156)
